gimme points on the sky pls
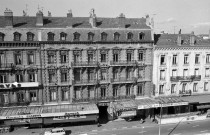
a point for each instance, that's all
(169, 15)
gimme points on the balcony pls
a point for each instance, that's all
(85, 64)
(123, 63)
(123, 80)
(85, 82)
(6, 65)
(186, 78)
(185, 93)
(14, 104)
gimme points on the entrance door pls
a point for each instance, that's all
(103, 114)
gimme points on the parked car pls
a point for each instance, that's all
(55, 131)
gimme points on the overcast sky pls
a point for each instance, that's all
(169, 15)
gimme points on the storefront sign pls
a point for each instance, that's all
(174, 104)
(21, 116)
(69, 117)
(128, 114)
(148, 106)
(18, 85)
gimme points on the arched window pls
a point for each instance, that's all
(2, 36)
(50, 36)
(17, 36)
(90, 36)
(103, 36)
(30, 36)
(116, 36)
(141, 36)
(76, 36)
(63, 36)
(130, 36)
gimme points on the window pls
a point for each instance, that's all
(186, 60)
(115, 74)
(141, 36)
(76, 36)
(184, 85)
(161, 89)
(129, 57)
(162, 60)
(103, 74)
(197, 61)
(52, 77)
(17, 36)
(173, 88)
(51, 58)
(141, 56)
(91, 92)
(3, 78)
(20, 97)
(77, 75)
(103, 92)
(207, 58)
(90, 58)
(76, 58)
(128, 73)
(30, 36)
(63, 58)
(128, 90)
(162, 74)
(50, 36)
(195, 89)
(115, 92)
(91, 74)
(1, 60)
(2, 36)
(174, 72)
(77, 94)
(5, 98)
(53, 95)
(207, 72)
(185, 72)
(205, 86)
(65, 95)
(115, 57)
(196, 72)
(63, 36)
(64, 76)
(103, 36)
(31, 77)
(140, 90)
(103, 57)
(19, 78)
(33, 96)
(18, 59)
(174, 61)
(130, 36)
(140, 72)
(30, 59)
(90, 36)
(116, 36)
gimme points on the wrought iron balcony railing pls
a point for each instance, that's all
(123, 79)
(124, 63)
(85, 81)
(186, 78)
(7, 65)
(15, 104)
(85, 64)
(186, 92)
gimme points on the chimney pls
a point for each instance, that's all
(39, 18)
(179, 39)
(8, 16)
(121, 20)
(147, 20)
(92, 19)
(192, 38)
(69, 14)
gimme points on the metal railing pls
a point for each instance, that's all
(123, 62)
(7, 65)
(186, 78)
(84, 63)
(85, 81)
(123, 79)
(15, 104)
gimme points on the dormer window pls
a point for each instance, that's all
(116, 36)
(141, 36)
(2, 36)
(130, 36)
(90, 36)
(30, 36)
(17, 36)
(63, 36)
(76, 36)
(103, 36)
(50, 36)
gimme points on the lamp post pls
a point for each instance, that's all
(160, 118)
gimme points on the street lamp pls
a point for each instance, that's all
(160, 118)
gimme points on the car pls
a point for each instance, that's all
(55, 131)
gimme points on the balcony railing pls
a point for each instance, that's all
(7, 65)
(98, 99)
(123, 63)
(85, 82)
(14, 104)
(186, 92)
(123, 80)
(186, 78)
(85, 64)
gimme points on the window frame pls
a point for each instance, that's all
(32, 98)
(116, 36)
(76, 36)
(63, 36)
(50, 36)
(90, 36)
(30, 36)
(130, 36)
(141, 36)
(104, 36)
(17, 36)
(2, 35)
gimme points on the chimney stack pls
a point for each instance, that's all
(92, 19)
(39, 18)
(192, 38)
(8, 16)
(179, 39)
(147, 20)
(69, 14)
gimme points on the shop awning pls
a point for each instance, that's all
(125, 105)
(145, 103)
(171, 101)
(197, 99)
(48, 111)
(203, 107)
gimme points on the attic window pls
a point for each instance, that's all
(30, 36)
(130, 36)
(2, 36)
(17, 36)
(63, 36)
(182, 41)
(90, 36)
(50, 36)
(141, 36)
(103, 36)
(116, 36)
(76, 36)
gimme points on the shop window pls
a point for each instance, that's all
(140, 90)
(195, 87)
(53, 95)
(103, 36)
(30, 58)
(19, 78)
(197, 60)
(2, 36)
(130, 36)
(162, 60)
(30, 36)
(50, 36)
(17, 36)
(174, 61)
(205, 86)
(76, 36)
(141, 56)
(173, 88)
(103, 92)
(116, 36)
(63, 36)
(65, 95)
(161, 89)
(90, 36)
(207, 58)
(3, 78)
(21, 97)
(141, 36)
(64, 76)
(33, 96)
(103, 57)
(31, 77)
(186, 59)
(18, 59)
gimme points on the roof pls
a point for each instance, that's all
(76, 22)
(170, 40)
(166, 100)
